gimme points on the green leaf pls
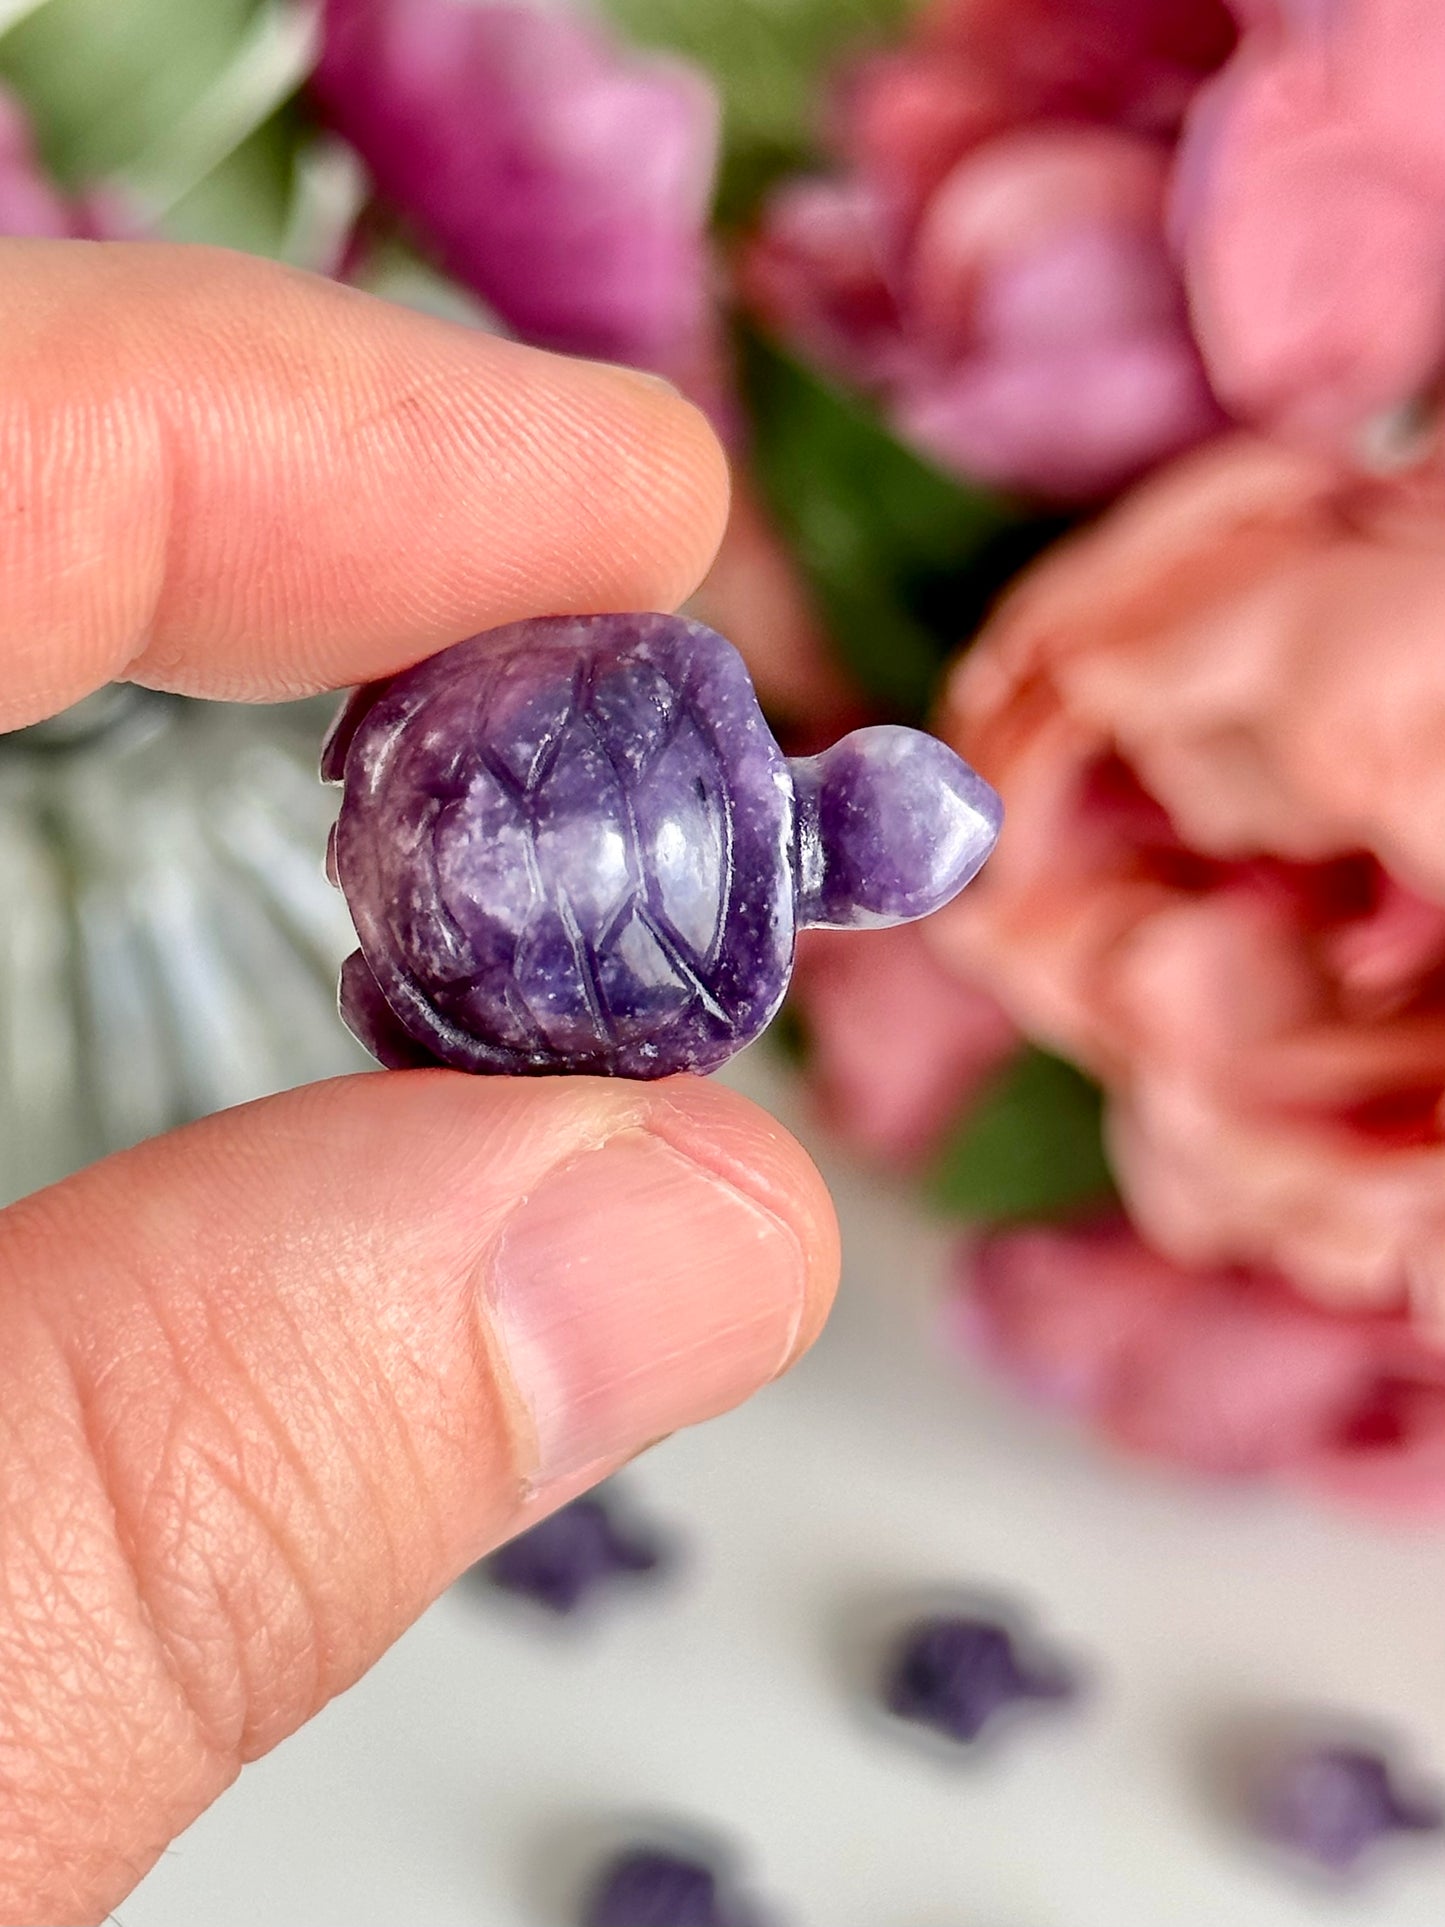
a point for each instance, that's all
(246, 202)
(105, 79)
(769, 59)
(329, 196)
(1032, 1147)
(788, 1035)
(903, 558)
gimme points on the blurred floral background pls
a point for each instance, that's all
(1081, 362)
(1056, 421)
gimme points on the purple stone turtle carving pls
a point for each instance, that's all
(647, 1887)
(958, 1675)
(564, 1558)
(572, 845)
(1331, 1804)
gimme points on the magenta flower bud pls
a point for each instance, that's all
(1028, 330)
(564, 180)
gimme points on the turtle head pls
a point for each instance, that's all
(891, 826)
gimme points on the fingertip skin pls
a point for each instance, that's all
(228, 478)
(268, 1384)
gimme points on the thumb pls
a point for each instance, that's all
(267, 1385)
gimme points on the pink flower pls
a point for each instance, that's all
(1216, 719)
(993, 263)
(1057, 355)
(898, 1045)
(976, 68)
(32, 207)
(566, 182)
(1311, 208)
(1134, 63)
(1224, 1371)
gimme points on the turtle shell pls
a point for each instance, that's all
(568, 847)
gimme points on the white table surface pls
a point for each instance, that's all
(460, 1783)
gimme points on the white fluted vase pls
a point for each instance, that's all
(168, 940)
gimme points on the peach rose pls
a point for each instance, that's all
(1217, 721)
(1226, 1372)
(897, 1044)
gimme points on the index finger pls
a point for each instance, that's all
(227, 478)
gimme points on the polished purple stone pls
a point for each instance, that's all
(645, 1887)
(891, 826)
(563, 1559)
(573, 845)
(958, 1675)
(1332, 1804)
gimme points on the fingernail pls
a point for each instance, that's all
(635, 1292)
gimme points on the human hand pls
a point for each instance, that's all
(267, 1385)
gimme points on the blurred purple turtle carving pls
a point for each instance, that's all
(564, 1558)
(647, 1887)
(572, 845)
(1333, 1804)
(958, 1675)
